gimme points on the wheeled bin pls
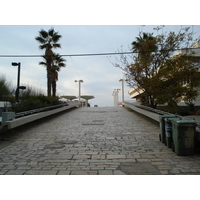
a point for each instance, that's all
(183, 136)
(168, 130)
(162, 126)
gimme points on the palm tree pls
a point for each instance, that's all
(143, 71)
(58, 62)
(48, 40)
(144, 45)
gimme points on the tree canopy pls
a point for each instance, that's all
(154, 69)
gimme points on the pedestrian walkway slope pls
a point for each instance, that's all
(92, 141)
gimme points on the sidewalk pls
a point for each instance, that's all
(92, 141)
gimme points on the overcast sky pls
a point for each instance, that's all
(101, 32)
(99, 75)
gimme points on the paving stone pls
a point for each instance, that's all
(164, 172)
(157, 163)
(164, 166)
(63, 172)
(105, 172)
(92, 172)
(175, 171)
(62, 157)
(41, 172)
(3, 171)
(118, 172)
(21, 163)
(9, 167)
(136, 168)
(143, 160)
(15, 172)
(79, 172)
(115, 156)
(81, 157)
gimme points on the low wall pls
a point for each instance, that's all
(146, 113)
(30, 118)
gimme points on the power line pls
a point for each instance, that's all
(19, 56)
(91, 54)
(68, 55)
(99, 54)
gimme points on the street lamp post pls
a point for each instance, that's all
(18, 81)
(122, 80)
(115, 96)
(79, 94)
(117, 99)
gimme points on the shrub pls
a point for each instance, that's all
(34, 102)
(30, 98)
(6, 89)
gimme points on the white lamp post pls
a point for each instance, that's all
(117, 99)
(115, 94)
(79, 94)
(114, 97)
(122, 80)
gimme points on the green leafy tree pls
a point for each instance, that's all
(180, 77)
(48, 40)
(156, 72)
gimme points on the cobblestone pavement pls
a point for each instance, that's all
(92, 141)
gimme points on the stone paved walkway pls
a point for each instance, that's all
(92, 141)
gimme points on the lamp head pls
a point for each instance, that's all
(81, 81)
(15, 64)
(22, 87)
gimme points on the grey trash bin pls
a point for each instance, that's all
(168, 131)
(183, 136)
(162, 126)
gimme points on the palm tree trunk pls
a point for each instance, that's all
(49, 80)
(53, 88)
(48, 55)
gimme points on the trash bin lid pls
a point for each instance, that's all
(183, 121)
(172, 118)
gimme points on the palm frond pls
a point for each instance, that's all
(43, 63)
(43, 46)
(40, 39)
(51, 32)
(56, 45)
(56, 37)
(43, 33)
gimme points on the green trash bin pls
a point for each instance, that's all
(162, 126)
(168, 130)
(183, 134)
